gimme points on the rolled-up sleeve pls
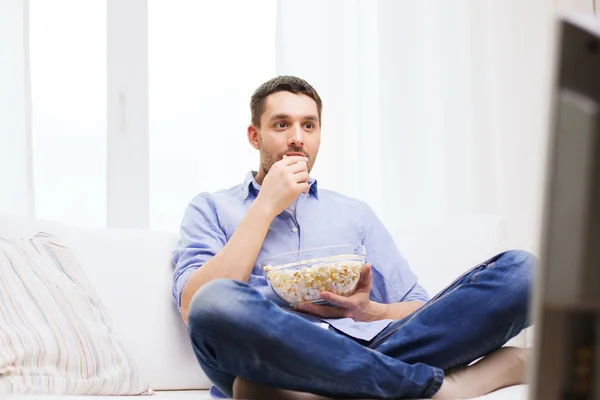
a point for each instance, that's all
(201, 238)
(416, 293)
(393, 280)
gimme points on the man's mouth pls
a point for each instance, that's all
(294, 153)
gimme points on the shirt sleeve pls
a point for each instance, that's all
(393, 280)
(201, 238)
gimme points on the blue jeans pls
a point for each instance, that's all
(236, 331)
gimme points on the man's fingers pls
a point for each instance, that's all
(301, 177)
(322, 311)
(337, 300)
(300, 166)
(365, 275)
(290, 160)
(365, 278)
(303, 187)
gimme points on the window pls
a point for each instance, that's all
(68, 84)
(205, 60)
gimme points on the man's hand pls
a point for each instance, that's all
(283, 184)
(357, 306)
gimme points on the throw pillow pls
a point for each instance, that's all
(55, 334)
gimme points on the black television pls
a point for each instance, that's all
(565, 304)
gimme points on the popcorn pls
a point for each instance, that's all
(307, 283)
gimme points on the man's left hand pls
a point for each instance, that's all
(357, 306)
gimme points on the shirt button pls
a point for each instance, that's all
(294, 229)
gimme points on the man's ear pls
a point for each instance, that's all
(253, 136)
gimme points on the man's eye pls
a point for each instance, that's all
(309, 125)
(280, 125)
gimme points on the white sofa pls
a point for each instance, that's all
(132, 272)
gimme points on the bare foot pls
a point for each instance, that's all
(243, 389)
(504, 367)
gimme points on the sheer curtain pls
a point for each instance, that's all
(431, 109)
(335, 46)
(514, 42)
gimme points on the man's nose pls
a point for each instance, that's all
(297, 136)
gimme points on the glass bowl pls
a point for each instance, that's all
(301, 276)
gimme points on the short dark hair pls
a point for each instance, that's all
(283, 83)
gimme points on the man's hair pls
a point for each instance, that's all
(284, 83)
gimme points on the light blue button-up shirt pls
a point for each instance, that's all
(323, 218)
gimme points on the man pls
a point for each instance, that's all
(387, 340)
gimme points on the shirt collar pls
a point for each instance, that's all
(250, 185)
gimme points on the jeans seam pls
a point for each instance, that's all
(438, 297)
(413, 315)
(490, 265)
(434, 387)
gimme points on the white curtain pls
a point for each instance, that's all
(514, 65)
(428, 108)
(396, 79)
(432, 109)
(16, 179)
(339, 55)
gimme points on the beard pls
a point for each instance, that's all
(269, 159)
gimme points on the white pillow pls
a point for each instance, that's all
(55, 334)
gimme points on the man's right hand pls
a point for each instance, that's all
(283, 184)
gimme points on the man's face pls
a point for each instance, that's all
(289, 126)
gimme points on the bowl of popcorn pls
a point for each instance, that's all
(301, 276)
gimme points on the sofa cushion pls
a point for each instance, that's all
(56, 336)
(131, 271)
